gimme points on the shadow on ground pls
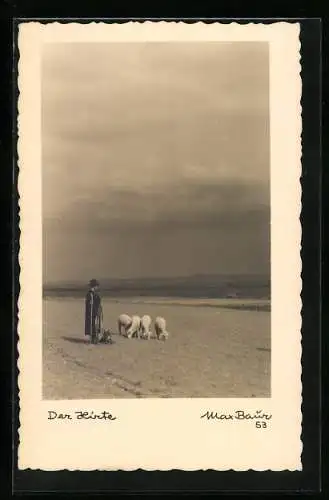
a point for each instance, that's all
(77, 340)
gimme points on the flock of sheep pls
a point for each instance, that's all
(141, 327)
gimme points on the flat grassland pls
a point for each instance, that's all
(217, 348)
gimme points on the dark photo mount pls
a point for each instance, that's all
(210, 481)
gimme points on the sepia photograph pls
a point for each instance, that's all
(156, 220)
(160, 269)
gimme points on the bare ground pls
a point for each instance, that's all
(215, 349)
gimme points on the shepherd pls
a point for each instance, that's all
(93, 312)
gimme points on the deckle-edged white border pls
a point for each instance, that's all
(162, 434)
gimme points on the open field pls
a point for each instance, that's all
(216, 348)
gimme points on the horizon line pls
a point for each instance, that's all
(138, 278)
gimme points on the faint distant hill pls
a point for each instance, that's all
(198, 285)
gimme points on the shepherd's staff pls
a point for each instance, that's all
(100, 322)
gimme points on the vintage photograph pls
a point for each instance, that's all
(160, 267)
(156, 220)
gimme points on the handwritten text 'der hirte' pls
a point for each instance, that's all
(80, 415)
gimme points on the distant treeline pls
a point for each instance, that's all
(184, 288)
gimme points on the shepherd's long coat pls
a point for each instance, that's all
(93, 313)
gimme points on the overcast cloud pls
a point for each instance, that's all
(155, 159)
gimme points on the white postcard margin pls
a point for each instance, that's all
(165, 434)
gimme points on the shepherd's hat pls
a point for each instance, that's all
(93, 282)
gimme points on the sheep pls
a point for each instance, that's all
(124, 321)
(145, 326)
(134, 327)
(160, 328)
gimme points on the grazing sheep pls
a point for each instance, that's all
(146, 326)
(124, 321)
(134, 328)
(160, 328)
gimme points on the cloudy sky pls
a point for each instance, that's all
(155, 159)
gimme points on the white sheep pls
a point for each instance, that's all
(134, 328)
(146, 326)
(124, 321)
(160, 328)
